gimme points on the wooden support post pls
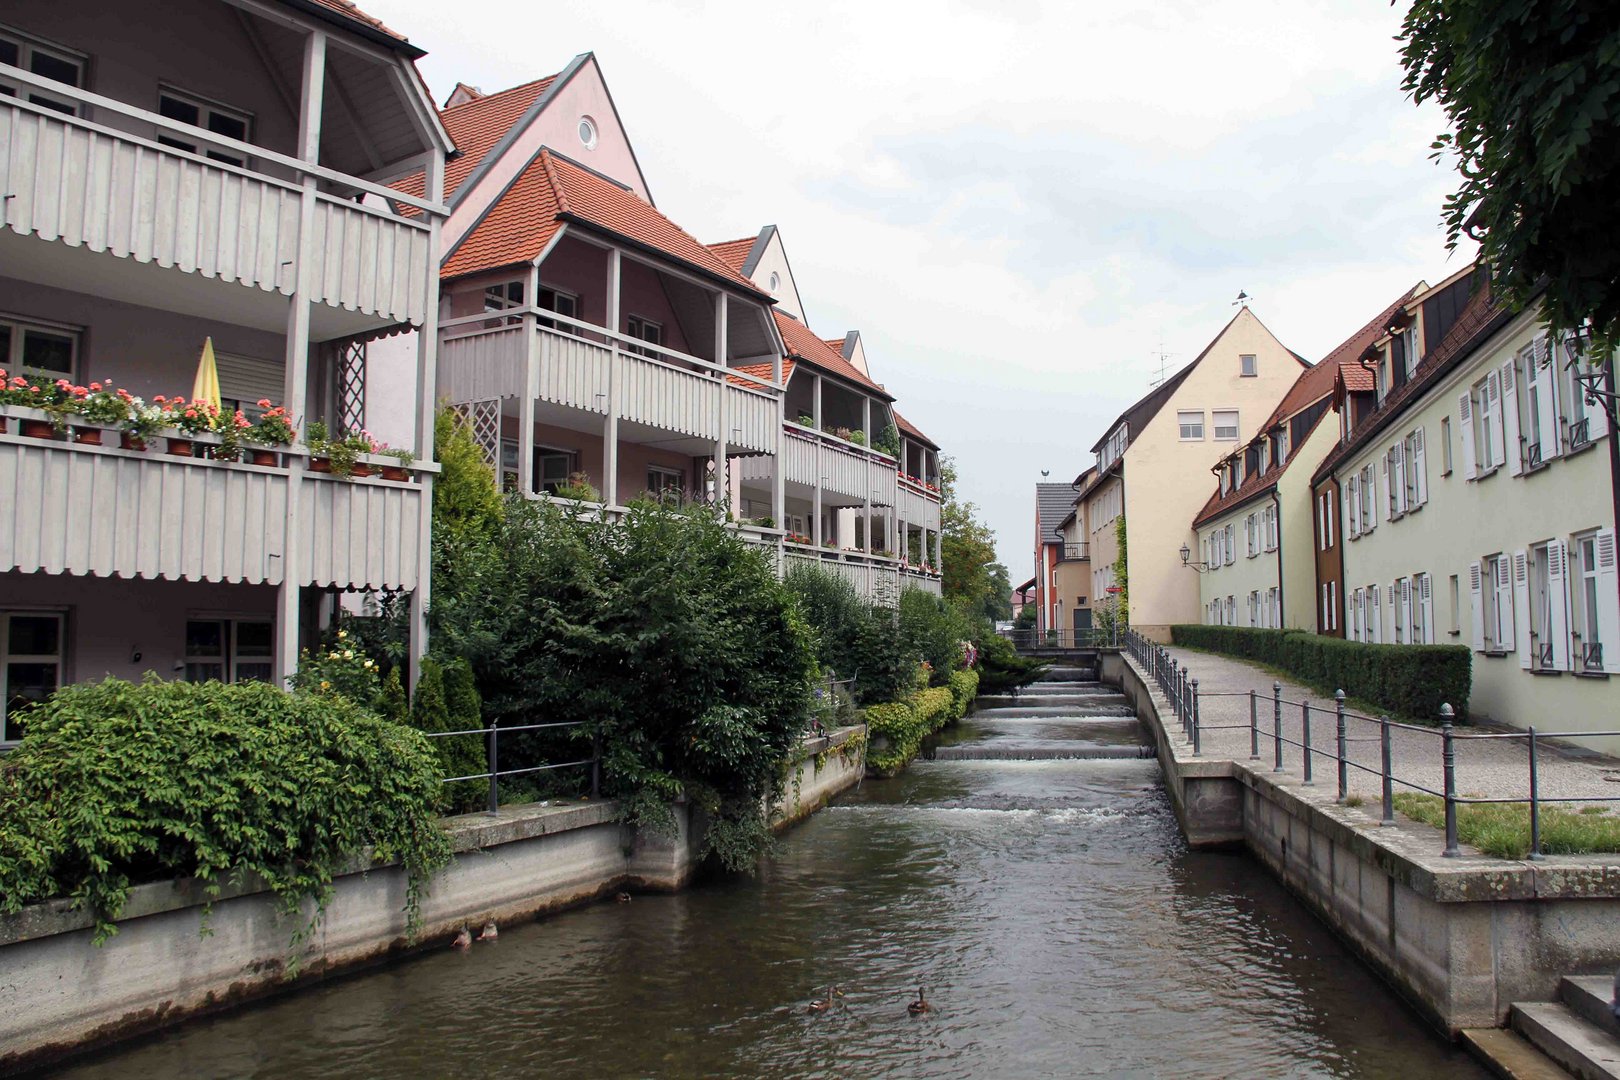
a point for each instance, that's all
(610, 427)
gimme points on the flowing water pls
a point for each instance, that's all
(1050, 909)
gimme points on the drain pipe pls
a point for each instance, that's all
(1282, 599)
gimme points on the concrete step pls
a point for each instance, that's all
(1078, 701)
(1055, 686)
(1039, 753)
(1509, 1056)
(1078, 709)
(1591, 997)
(1064, 674)
(1582, 1048)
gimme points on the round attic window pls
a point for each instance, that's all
(776, 283)
(587, 132)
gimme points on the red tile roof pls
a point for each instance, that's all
(354, 14)
(552, 190)
(836, 344)
(734, 252)
(475, 127)
(762, 371)
(1480, 318)
(1357, 377)
(803, 344)
(908, 428)
(1252, 486)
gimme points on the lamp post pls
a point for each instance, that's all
(1186, 560)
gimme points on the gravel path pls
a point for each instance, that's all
(1485, 767)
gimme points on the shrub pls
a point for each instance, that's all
(934, 707)
(853, 638)
(901, 725)
(964, 687)
(931, 631)
(1001, 668)
(447, 700)
(117, 783)
(1409, 680)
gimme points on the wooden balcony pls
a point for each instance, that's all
(578, 366)
(87, 185)
(917, 505)
(840, 467)
(102, 511)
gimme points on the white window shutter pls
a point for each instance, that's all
(1510, 419)
(1421, 467)
(1608, 600)
(1426, 587)
(1352, 507)
(1493, 390)
(1558, 602)
(1400, 477)
(1504, 604)
(1375, 604)
(1231, 544)
(1465, 406)
(1521, 606)
(1406, 608)
(1546, 382)
(1476, 602)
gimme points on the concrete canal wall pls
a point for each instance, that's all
(60, 993)
(1461, 939)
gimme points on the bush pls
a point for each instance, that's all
(853, 638)
(964, 687)
(447, 700)
(1001, 668)
(117, 783)
(901, 725)
(1409, 680)
(930, 631)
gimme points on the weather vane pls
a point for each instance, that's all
(1243, 299)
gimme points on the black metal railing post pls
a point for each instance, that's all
(1535, 802)
(1254, 726)
(494, 769)
(1276, 723)
(1197, 741)
(1344, 768)
(596, 763)
(1448, 763)
(1175, 687)
(1387, 779)
(1305, 739)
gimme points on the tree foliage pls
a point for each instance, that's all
(967, 547)
(1532, 92)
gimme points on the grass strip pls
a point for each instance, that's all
(1503, 829)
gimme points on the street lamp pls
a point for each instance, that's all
(1186, 560)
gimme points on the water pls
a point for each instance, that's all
(1058, 922)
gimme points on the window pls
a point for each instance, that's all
(1226, 424)
(1229, 544)
(31, 648)
(1251, 537)
(1409, 338)
(1534, 394)
(1400, 601)
(566, 304)
(1490, 584)
(549, 470)
(1597, 618)
(200, 113)
(1365, 488)
(504, 296)
(644, 330)
(1445, 446)
(1231, 611)
(1422, 615)
(33, 348)
(1247, 365)
(1333, 605)
(1541, 653)
(59, 65)
(1456, 606)
(662, 482)
(1583, 421)
(587, 132)
(1272, 530)
(229, 650)
(1487, 401)
(1273, 608)
(775, 283)
(1358, 602)
(1192, 426)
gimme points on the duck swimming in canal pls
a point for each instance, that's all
(463, 939)
(824, 1004)
(920, 1006)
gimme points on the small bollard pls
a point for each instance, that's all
(1197, 747)
(1388, 780)
(1448, 763)
(1305, 738)
(1254, 727)
(1535, 802)
(1276, 722)
(494, 769)
(1344, 769)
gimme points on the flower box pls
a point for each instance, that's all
(33, 423)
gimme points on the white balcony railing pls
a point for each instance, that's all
(837, 465)
(661, 388)
(108, 512)
(89, 185)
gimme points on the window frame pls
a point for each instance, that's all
(1182, 425)
(230, 660)
(20, 326)
(1248, 366)
(7, 658)
(206, 108)
(666, 473)
(27, 44)
(1215, 426)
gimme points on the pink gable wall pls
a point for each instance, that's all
(557, 126)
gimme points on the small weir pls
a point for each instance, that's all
(1030, 876)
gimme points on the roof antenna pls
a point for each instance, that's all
(1164, 361)
(1242, 300)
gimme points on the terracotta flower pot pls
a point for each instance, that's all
(88, 436)
(320, 464)
(38, 429)
(2, 425)
(396, 472)
(264, 457)
(360, 469)
(128, 440)
(181, 447)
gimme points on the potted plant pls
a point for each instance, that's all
(142, 422)
(101, 407)
(404, 457)
(340, 457)
(578, 488)
(31, 402)
(273, 429)
(806, 420)
(190, 419)
(857, 437)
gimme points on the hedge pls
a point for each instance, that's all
(906, 723)
(1408, 680)
(964, 686)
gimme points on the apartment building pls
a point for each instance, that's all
(1473, 487)
(1072, 579)
(1152, 460)
(600, 351)
(1257, 536)
(213, 176)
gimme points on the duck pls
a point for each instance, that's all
(490, 931)
(920, 1006)
(826, 1003)
(463, 939)
(623, 898)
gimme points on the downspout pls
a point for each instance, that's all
(1282, 599)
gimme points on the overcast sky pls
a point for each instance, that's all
(1015, 203)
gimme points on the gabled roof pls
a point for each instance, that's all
(734, 253)
(1479, 319)
(477, 127)
(344, 13)
(1255, 485)
(803, 344)
(1052, 502)
(552, 191)
(763, 371)
(908, 428)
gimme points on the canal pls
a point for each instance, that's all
(1058, 923)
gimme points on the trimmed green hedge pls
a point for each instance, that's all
(964, 686)
(1408, 680)
(905, 724)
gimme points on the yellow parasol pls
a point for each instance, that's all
(206, 386)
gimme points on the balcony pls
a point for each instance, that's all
(575, 367)
(875, 577)
(108, 512)
(90, 187)
(1075, 552)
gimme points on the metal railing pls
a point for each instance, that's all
(1074, 552)
(492, 746)
(1180, 687)
(1096, 637)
